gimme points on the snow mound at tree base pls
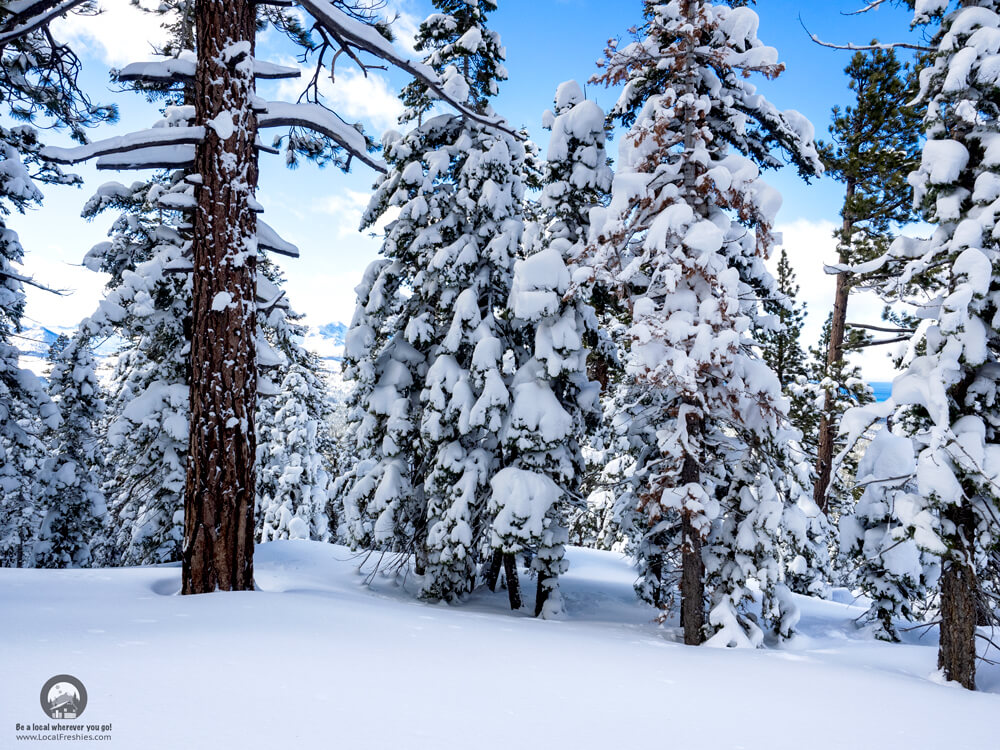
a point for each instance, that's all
(316, 658)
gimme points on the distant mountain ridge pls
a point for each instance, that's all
(34, 342)
(326, 340)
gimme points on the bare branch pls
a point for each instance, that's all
(882, 329)
(871, 6)
(884, 341)
(864, 47)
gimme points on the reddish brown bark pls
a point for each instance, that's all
(219, 494)
(835, 352)
(957, 648)
(957, 651)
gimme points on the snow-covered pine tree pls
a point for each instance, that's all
(809, 568)
(147, 307)
(944, 460)
(22, 398)
(875, 145)
(21, 455)
(38, 85)
(889, 567)
(438, 364)
(293, 479)
(383, 502)
(222, 143)
(675, 243)
(72, 529)
(553, 400)
(782, 349)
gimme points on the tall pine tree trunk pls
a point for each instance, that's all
(219, 494)
(493, 572)
(513, 583)
(828, 426)
(957, 649)
(692, 585)
(692, 568)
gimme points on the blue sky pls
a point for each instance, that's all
(547, 41)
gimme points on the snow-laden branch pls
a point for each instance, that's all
(165, 147)
(883, 342)
(322, 120)
(268, 295)
(268, 239)
(140, 140)
(864, 47)
(181, 69)
(881, 329)
(350, 32)
(31, 282)
(30, 15)
(154, 157)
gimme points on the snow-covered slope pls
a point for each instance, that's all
(317, 659)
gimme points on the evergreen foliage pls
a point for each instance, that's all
(929, 513)
(674, 243)
(71, 532)
(39, 88)
(875, 145)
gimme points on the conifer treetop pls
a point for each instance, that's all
(721, 43)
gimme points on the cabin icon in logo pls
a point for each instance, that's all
(63, 697)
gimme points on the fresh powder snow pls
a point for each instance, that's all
(336, 659)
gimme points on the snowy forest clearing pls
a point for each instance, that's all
(315, 654)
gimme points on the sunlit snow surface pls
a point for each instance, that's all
(316, 658)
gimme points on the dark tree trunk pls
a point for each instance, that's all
(692, 566)
(599, 370)
(420, 558)
(493, 573)
(835, 352)
(513, 584)
(957, 653)
(541, 596)
(957, 649)
(692, 585)
(219, 494)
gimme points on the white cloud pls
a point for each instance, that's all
(324, 297)
(347, 207)
(120, 34)
(404, 26)
(810, 245)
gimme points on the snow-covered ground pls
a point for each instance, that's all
(315, 658)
